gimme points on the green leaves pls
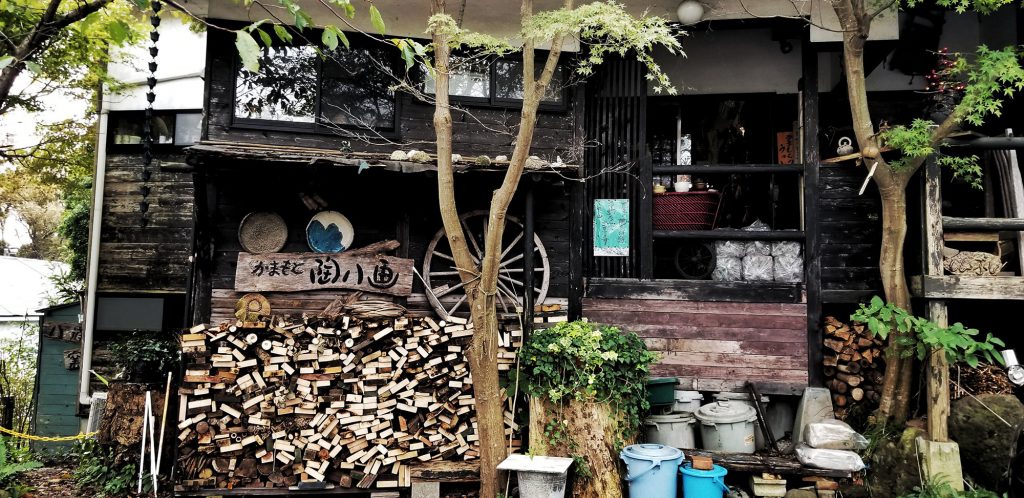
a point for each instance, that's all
(5, 61)
(119, 31)
(377, 20)
(248, 50)
(332, 35)
(920, 337)
(282, 33)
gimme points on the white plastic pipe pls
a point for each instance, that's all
(94, 259)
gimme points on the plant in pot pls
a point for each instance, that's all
(144, 356)
(588, 393)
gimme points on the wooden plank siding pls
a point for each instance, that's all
(850, 229)
(717, 346)
(154, 258)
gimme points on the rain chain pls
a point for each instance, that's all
(147, 126)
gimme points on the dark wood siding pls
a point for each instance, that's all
(717, 346)
(850, 227)
(154, 257)
(488, 130)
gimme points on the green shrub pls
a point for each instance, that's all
(99, 471)
(11, 465)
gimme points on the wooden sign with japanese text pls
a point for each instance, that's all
(290, 272)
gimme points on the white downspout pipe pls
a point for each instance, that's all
(94, 259)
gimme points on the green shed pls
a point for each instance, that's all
(57, 370)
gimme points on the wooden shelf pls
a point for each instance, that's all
(968, 287)
(730, 234)
(742, 462)
(668, 169)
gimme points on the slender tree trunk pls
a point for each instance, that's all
(894, 405)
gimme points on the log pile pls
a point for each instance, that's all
(853, 365)
(324, 402)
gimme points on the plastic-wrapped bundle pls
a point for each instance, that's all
(834, 435)
(785, 248)
(758, 268)
(757, 226)
(829, 459)
(789, 268)
(730, 248)
(728, 269)
(759, 248)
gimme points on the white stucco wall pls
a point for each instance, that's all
(180, 66)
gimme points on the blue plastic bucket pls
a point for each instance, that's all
(703, 483)
(651, 470)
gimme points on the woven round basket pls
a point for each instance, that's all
(262, 232)
(251, 307)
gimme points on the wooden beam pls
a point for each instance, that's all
(812, 252)
(730, 234)
(967, 287)
(938, 379)
(694, 290)
(528, 233)
(982, 224)
(742, 462)
(678, 169)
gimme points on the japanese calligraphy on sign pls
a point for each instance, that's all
(288, 272)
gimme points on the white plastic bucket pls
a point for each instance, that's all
(729, 427)
(748, 399)
(675, 430)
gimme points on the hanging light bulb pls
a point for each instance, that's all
(690, 12)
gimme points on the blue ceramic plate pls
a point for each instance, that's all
(329, 232)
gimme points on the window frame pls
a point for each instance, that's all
(317, 126)
(141, 115)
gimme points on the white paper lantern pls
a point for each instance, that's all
(690, 12)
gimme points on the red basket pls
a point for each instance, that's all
(686, 210)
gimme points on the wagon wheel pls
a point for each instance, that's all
(695, 260)
(447, 294)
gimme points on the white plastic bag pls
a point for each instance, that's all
(833, 435)
(758, 269)
(727, 269)
(785, 248)
(759, 248)
(789, 268)
(829, 459)
(757, 226)
(730, 248)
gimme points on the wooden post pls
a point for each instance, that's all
(938, 367)
(528, 262)
(812, 261)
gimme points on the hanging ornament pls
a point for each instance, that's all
(147, 125)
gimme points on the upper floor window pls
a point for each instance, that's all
(297, 88)
(497, 83)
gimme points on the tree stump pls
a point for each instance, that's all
(122, 419)
(593, 427)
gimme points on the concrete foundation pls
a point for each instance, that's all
(940, 462)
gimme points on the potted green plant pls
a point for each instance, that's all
(588, 393)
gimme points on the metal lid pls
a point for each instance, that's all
(651, 452)
(725, 412)
(739, 397)
(671, 418)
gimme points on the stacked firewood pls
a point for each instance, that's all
(323, 402)
(853, 365)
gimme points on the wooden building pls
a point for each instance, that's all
(761, 106)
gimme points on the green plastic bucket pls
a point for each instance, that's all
(661, 391)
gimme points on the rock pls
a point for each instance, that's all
(399, 155)
(482, 161)
(893, 466)
(456, 158)
(534, 162)
(419, 156)
(987, 444)
(801, 493)
(501, 158)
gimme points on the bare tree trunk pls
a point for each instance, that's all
(895, 400)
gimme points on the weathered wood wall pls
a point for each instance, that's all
(489, 130)
(378, 203)
(717, 346)
(851, 233)
(149, 258)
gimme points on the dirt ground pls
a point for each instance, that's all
(53, 481)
